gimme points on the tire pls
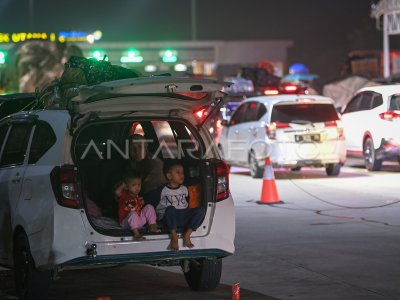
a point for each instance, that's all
(204, 274)
(296, 169)
(30, 283)
(370, 160)
(255, 170)
(333, 169)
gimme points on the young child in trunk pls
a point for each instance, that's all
(172, 206)
(132, 212)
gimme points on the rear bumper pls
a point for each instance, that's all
(289, 155)
(214, 239)
(150, 258)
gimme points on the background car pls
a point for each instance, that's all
(371, 121)
(13, 103)
(293, 130)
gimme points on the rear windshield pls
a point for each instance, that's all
(304, 112)
(110, 140)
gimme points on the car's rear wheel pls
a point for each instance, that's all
(256, 171)
(296, 169)
(204, 274)
(333, 169)
(370, 160)
(30, 283)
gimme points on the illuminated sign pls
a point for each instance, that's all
(133, 56)
(169, 56)
(2, 57)
(65, 36)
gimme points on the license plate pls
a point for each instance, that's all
(307, 138)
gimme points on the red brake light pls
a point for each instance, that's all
(331, 124)
(271, 129)
(65, 186)
(389, 116)
(222, 181)
(282, 125)
(290, 88)
(200, 113)
(338, 125)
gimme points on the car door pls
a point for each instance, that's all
(12, 169)
(254, 132)
(354, 120)
(5, 221)
(235, 143)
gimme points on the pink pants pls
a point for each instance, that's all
(134, 221)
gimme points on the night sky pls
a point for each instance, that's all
(323, 31)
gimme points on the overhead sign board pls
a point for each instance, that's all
(393, 22)
(65, 36)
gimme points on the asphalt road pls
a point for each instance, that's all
(332, 238)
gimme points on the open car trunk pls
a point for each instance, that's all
(100, 150)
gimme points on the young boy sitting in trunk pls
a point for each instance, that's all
(171, 201)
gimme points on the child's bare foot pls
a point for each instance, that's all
(153, 228)
(137, 236)
(173, 245)
(186, 239)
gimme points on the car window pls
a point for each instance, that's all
(262, 110)
(376, 100)
(251, 112)
(366, 101)
(3, 132)
(354, 104)
(394, 102)
(16, 145)
(43, 138)
(304, 112)
(166, 139)
(100, 141)
(238, 115)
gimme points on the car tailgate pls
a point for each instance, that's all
(147, 94)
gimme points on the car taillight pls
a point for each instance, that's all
(222, 181)
(272, 127)
(339, 127)
(271, 91)
(65, 186)
(290, 88)
(390, 116)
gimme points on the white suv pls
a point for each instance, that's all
(293, 130)
(372, 124)
(53, 160)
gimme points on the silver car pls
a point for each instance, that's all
(293, 130)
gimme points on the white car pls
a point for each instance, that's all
(293, 130)
(53, 160)
(372, 124)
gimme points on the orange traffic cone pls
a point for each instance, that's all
(269, 193)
